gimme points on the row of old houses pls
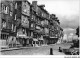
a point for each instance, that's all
(26, 24)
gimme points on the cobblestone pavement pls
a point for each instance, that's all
(43, 50)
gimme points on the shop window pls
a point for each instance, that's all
(28, 33)
(37, 42)
(3, 36)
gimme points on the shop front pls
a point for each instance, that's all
(23, 40)
(7, 38)
(41, 40)
(45, 37)
(35, 42)
(3, 39)
(52, 40)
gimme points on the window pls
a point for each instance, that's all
(23, 31)
(23, 20)
(42, 14)
(6, 9)
(27, 32)
(2, 6)
(16, 6)
(31, 25)
(11, 6)
(10, 13)
(15, 16)
(32, 17)
(4, 24)
(12, 27)
(31, 33)
(42, 22)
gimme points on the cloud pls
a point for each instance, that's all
(70, 22)
(69, 30)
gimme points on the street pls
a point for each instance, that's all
(43, 50)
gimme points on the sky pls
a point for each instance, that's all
(66, 10)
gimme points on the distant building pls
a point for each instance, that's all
(77, 31)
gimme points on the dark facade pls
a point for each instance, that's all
(7, 21)
(28, 24)
(23, 17)
(39, 21)
(77, 31)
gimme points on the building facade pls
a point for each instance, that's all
(7, 23)
(26, 24)
(22, 17)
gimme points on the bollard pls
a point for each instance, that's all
(60, 49)
(51, 51)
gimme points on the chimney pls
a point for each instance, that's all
(34, 4)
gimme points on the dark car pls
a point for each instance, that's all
(73, 50)
(70, 51)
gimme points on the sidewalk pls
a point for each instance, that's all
(17, 48)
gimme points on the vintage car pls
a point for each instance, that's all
(70, 51)
(73, 50)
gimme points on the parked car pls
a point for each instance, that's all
(73, 50)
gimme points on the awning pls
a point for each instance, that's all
(53, 37)
(23, 36)
(41, 39)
